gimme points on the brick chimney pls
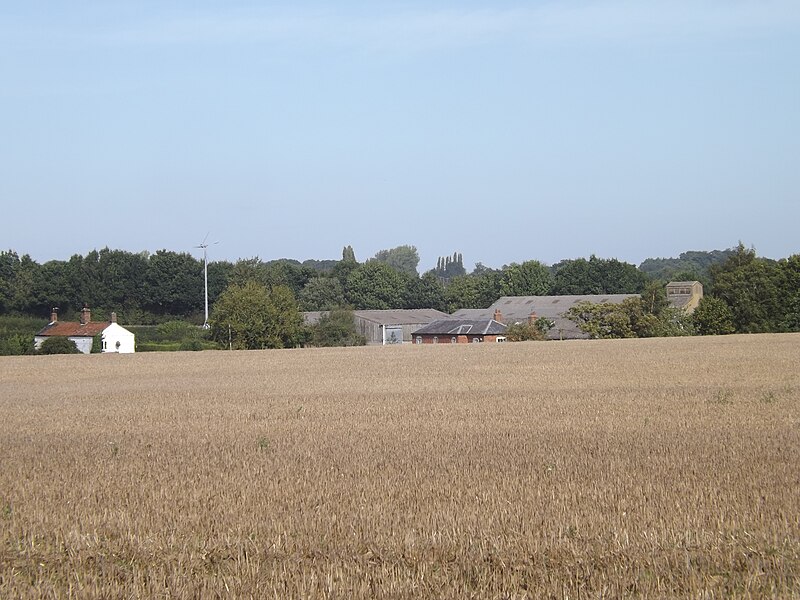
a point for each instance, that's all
(532, 318)
(54, 315)
(113, 317)
(86, 315)
(498, 316)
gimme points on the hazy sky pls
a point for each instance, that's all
(503, 130)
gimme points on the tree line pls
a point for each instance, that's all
(744, 292)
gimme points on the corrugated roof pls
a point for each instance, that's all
(401, 316)
(517, 309)
(398, 316)
(463, 327)
(682, 283)
(73, 329)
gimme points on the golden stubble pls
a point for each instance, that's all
(628, 468)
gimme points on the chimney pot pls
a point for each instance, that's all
(498, 316)
(86, 315)
(113, 317)
(532, 318)
(54, 315)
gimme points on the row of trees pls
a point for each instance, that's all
(149, 288)
(745, 293)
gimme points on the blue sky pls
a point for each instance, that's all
(504, 130)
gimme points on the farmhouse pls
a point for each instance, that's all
(115, 338)
(382, 327)
(519, 309)
(461, 331)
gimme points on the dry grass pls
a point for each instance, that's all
(631, 468)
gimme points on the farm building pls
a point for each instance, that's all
(518, 309)
(115, 338)
(381, 327)
(460, 331)
(685, 294)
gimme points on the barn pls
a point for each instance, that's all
(382, 327)
(519, 309)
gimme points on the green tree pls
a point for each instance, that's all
(174, 283)
(450, 266)
(256, 317)
(403, 258)
(596, 276)
(753, 288)
(58, 345)
(426, 292)
(530, 278)
(462, 292)
(348, 255)
(337, 328)
(284, 321)
(713, 317)
(322, 293)
(527, 331)
(376, 285)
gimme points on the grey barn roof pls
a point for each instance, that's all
(398, 316)
(463, 327)
(517, 309)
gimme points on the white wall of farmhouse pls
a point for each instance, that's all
(118, 339)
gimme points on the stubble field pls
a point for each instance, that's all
(603, 469)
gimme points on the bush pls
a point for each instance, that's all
(58, 345)
(191, 345)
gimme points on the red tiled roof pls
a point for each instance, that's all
(73, 329)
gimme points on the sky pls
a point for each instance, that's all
(503, 130)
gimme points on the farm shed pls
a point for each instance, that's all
(115, 338)
(381, 327)
(519, 309)
(460, 331)
(685, 294)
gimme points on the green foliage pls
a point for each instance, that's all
(530, 278)
(322, 293)
(256, 317)
(404, 259)
(527, 331)
(174, 282)
(17, 333)
(754, 290)
(348, 255)
(376, 285)
(425, 292)
(97, 344)
(689, 266)
(462, 292)
(177, 330)
(58, 345)
(713, 317)
(596, 276)
(191, 345)
(337, 328)
(450, 266)
(628, 319)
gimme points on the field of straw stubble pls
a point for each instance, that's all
(631, 468)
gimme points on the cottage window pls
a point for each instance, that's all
(453, 340)
(435, 340)
(419, 339)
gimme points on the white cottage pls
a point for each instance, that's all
(115, 338)
(118, 339)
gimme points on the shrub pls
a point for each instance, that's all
(58, 345)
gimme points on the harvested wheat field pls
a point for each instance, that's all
(601, 469)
